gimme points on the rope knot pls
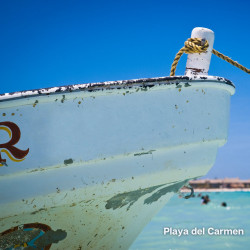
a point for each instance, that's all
(195, 45)
(192, 45)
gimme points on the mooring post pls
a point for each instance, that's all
(198, 63)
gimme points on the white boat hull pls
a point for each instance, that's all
(102, 163)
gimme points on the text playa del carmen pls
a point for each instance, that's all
(202, 231)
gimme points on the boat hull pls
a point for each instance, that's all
(101, 164)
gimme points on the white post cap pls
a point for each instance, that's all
(198, 63)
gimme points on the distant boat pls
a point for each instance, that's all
(87, 166)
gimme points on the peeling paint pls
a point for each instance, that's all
(129, 198)
(121, 200)
(50, 237)
(39, 210)
(35, 103)
(144, 83)
(145, 153)
(195, 70)
(158, 194)
(63, 99)
(68, 161)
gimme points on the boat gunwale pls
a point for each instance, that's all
(121, 84)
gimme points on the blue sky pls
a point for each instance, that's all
(52, 43)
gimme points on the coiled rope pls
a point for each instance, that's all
(198, 45)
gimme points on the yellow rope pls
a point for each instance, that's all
(234, 63)
(198, 45)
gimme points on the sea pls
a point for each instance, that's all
(204, 226)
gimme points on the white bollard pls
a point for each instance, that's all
(198, 64)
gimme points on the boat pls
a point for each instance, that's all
(87, 166)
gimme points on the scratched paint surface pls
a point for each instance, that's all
(86, 222)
